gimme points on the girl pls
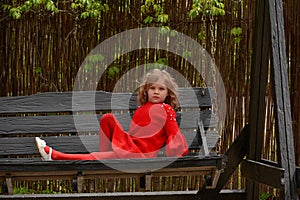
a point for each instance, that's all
(153, 126)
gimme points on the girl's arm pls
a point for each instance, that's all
(176, 144)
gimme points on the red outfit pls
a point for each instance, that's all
(153, 126)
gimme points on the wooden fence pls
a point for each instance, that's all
(43, 51)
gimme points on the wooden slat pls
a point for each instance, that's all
(203, 138)
(62, 102)
(165, 195)
(26, 145)
(86, 123)
(135, 165)
(84, 144)
(263, 173)
(109, 173)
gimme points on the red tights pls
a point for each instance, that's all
(108, 123)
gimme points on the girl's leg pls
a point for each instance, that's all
(108, 123)
(48, 153)
(56, 155)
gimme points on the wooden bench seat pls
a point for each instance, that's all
(51, 116)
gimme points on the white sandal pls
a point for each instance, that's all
(41, 144)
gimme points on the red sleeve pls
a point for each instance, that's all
(176, 144)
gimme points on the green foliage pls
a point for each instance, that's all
(22, 190)
(265, 196)
(148, 20)
(85, 8)
(113, 71)
(89, 8)
(95, 58)
(154, 13)
(16, 11)
(37, 70)
(207, 7)
(164, 30)
(162, 61)
(48, 192)
(236, 32)
(25, 190)
(92, 61)
(201, 35)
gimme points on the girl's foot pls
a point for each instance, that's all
(41, 144)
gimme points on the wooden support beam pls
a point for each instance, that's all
(259, 70)
(263, 173)
(269, 29)
(235, 154)
(283, 125)
(214, 178)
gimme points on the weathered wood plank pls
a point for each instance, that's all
(281, 96)
(84, 144)
(263, 173)
(167, 195)
(136, 165)
(62, 102)
(87, 122)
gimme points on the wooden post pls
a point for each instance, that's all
(80, 182)
(10, 186)
(269, 32)
(268, 35)
(148, 181)
(259, 70)
(283, 126)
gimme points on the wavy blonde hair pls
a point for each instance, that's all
(154, 76)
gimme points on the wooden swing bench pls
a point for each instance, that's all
(50, 115)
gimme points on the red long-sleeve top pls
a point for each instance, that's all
(152, 127)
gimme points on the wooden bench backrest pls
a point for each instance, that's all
(51, 115)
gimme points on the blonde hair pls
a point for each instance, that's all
(154, 76)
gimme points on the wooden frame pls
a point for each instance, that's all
(24, 116)
(269, 39)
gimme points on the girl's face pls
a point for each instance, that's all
(157, 93)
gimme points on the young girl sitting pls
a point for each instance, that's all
(153, 126)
